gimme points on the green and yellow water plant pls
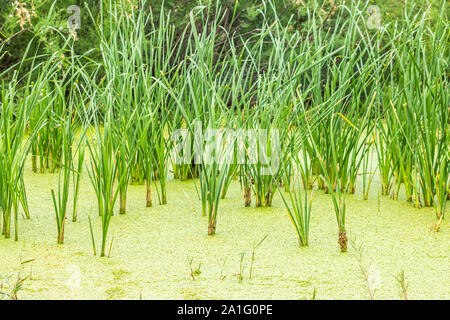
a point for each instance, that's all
(104, 168)
(415, 132)
(298, 203)
(15, 144)
(60, 200)
(213, 177)
(72, 124)
(103, 172)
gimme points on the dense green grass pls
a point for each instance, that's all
(329, 96)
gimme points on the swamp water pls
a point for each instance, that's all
(152, 247)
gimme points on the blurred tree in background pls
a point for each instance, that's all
(45, 21)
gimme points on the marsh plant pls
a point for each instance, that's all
(15, 143)
(298, 203)
(60, 199)
(371, 274)
(9, 289)
(253, 256)
(402, 284)
(71, 124)
(212, 181)
(104, 173)
(194, 271)
(240, 274)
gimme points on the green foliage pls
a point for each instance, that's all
(47, 22)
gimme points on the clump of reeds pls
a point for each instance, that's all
(299, 202)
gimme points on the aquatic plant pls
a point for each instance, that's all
(414, 137)
(212, 181)
(194, 271)
(401, 281)
(15, 144)
(61, 200)
(91, 230)
(70, 123)
(253, 257)
(77, 173)
(103, 173)
(359, 255)
(10, 290)
(299, 203)
(240, 275)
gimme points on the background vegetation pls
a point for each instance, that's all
(44, 20)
